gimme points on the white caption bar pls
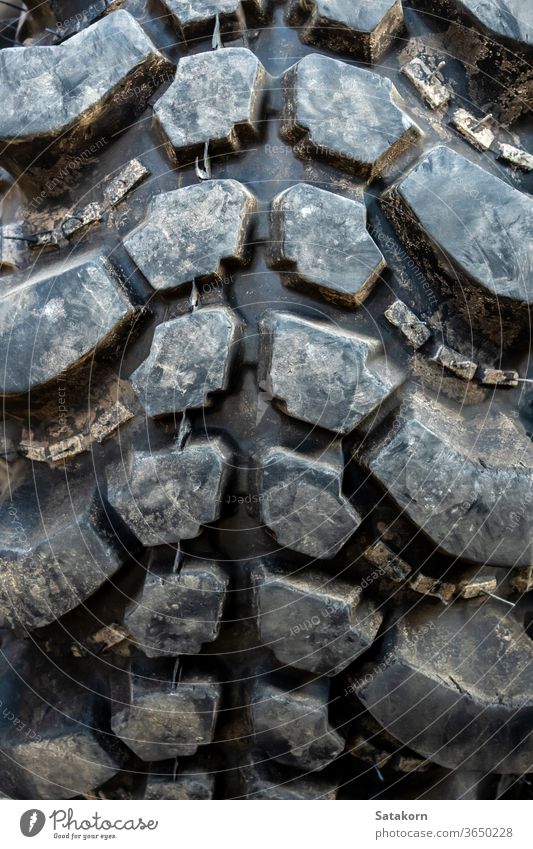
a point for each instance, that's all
(256, 824)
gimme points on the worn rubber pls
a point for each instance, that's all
(266, 464)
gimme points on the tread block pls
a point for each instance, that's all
(509, 22)
(166, 496)
(356, 27)
(321, 240)
(56, 549)
(322, 375)
(51, 742)
(194, 20)
(189, 359)
(57, 319)
(66, 765)
(190, 232)
(77, 102)
(179, 612)
(510, 19)
(302, 505)
(293, 727)
(315, 622)
(268, 780)
(191, 781)
(216, 99)
(464, 498)
(477, 689)
(447, 196)
(345, 115)
(168, 720)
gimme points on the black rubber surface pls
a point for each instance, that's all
(264, 530)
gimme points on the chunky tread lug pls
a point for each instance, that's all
(76, 103)
(265, 450)
(321, 375)
(180, 611)
(166, 496)
(447, 196)
(173, 247)
(161, 718)
(296, 491)
(480, 713)
(314, 623)
(203, 344)
(293, 727)
(321, 241)
(55, 551)
(194, 20)
(56, 321)
(215, 102)
(363, 30)
(345, 115)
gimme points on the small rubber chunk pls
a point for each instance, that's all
(188, 234)
(481, 583)
(489, 376)
(82, 218)
(515, 156)
(127, 179)
(455, 362)
(475, 131)
(410, 326)
(427, 80)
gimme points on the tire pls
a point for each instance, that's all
(266, 462)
